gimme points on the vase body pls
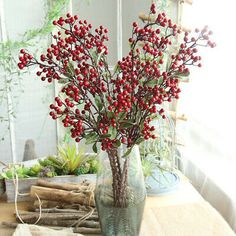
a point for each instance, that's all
(120, 204)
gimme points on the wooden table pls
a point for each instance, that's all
(181, 213)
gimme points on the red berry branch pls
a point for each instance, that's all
(115, 107)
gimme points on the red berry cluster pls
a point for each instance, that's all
(114, 108)
(25, 59)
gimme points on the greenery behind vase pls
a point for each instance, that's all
(160, 154)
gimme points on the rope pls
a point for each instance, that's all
(16, 183)
(90, 192)
(84, 218)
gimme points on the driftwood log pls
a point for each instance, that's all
(59, 195)
(63, 205)
(83, 186)
(83, 230)
(27, 215)
(56, 206)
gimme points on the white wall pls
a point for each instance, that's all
(31, 106)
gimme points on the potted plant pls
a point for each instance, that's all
(68, 166)
(2, 186)
(159, 158)
(118, 105)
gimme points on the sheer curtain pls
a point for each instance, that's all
(209, 101)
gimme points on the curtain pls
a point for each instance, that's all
(209, 101)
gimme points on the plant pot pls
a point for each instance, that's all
(161, 182)
(25, 184)
(2, 186)
(119, 218)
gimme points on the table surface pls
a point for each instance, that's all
(173, 214)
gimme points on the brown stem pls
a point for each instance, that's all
(119, 178)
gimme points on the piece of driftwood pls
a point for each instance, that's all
(9, 224)
(45, 204)
(83, 230)
(27, 215)
(59, 222)
(82, 186)
(59, 195)
(25, 184)
(56, 210)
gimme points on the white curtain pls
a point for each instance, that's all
(209, 101)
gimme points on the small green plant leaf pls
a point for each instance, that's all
(110, 114)
(128, 152)
(112, 131)
(117, 143)
(91, 138)
(127, 124)
(105, 136)
(151, 83)
(139, 140)
(70, 68)
(95, 149)
(98, 102)
(182, 74)
(122, 115)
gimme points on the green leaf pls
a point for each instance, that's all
(100, 55)
(91, 138)
(139, 140)
(112, 131)
(98, 102)
(105, 136)
(130, 121)
(95, 149)
(89, 135)
(117, 143)
(99, 118)
(67, 137)
(182, 74)
(128, 152)
(127, 124)
(122, 115)
(151, 83)
(116, 68)
(70, 69)
(160, 80)
(110, 114)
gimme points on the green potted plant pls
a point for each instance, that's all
(159, 159)
(114, 109)
(68, 166)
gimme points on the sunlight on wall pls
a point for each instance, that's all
(210, 96)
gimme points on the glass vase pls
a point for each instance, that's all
(120, 192)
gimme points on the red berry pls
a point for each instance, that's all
(21, 66)
(123, 140)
